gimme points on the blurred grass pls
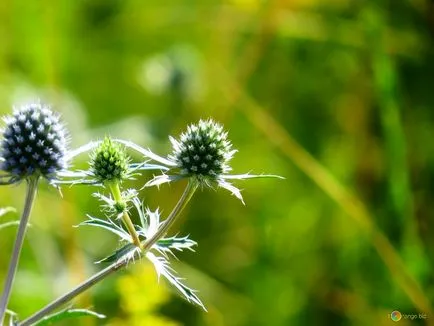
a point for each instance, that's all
(339, 89)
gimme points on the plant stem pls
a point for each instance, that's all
(183, 201)
(117, 195)
(96, 278)
(127, 222)
(30, 196)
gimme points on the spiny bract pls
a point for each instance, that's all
(109, 162)
(34, 142)
(203, 150)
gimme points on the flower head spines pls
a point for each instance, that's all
(34, 142)
(201, 154)
(203, 150)
(109, 162)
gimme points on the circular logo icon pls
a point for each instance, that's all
(396, 315)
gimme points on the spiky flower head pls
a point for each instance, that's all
(109, 162)
(201, 154)
(203, 150)
(34, 143)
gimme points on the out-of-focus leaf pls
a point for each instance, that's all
(7, 224)
(67, 314)
(6, 210)
(13, 319)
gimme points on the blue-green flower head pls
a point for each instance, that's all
(34, 143)
(109, 162)
(202, 154)
(203, 150)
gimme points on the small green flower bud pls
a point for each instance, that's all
(109, 162)
(203, 150)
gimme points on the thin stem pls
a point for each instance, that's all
(130, 226)
(30, 196)
(73, 293)
(117, 195)
(96, 278)
(182, 203)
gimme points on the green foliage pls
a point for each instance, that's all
(4, 211)
(350, 82)
(54, 319)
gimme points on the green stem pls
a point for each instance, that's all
(30, 196)
(127, 222)
(117, 195)
(182, 203)
(96, 278)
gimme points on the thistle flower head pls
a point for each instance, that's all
(109, 162)
(201, 154)
(34, 143)
(203, 150)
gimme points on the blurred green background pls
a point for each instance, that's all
(336, 96)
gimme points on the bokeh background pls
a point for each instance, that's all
(336, 96)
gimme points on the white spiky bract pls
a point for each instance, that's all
(158, 254)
